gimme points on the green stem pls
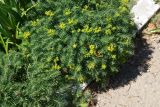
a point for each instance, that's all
(5, 46)
(24, 13)
(157, 30)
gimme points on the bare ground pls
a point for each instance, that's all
(138, 82)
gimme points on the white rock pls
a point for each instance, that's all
(83, 86)
(143, 11)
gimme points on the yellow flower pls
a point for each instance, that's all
(74, 45)
(34, 23)
(56, 59)
(109, 26)
(86, 29)
(85, 8)
(117, 14)
(79, 30)
(78, 68)
(72, 21)
(49, 59)
(73, 31)
(114, 28)
(62, 25)
(91, 65)
(92, 46)
(111, 47)
(49, 13)
(97, 29)
(67, 12)
(113, 56)
(56, 67)
(51, 31)
(108, 32)
(26, 35)
(103, 66)
(81, 78)
(92, 49)
(124, 1)
(91, 52)
(109, 19)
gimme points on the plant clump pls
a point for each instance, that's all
(65, 44)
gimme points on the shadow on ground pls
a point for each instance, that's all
(137, 65)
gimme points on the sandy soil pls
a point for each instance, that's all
(138, 83)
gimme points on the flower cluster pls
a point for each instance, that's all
(67, 12)
(26, 35)
(56, 66)
(87, 36)
(49, 13)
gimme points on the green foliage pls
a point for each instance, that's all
(66, 44)
(27, 84)
(157, 1)
(132, 3)
(89, 39)
(12, 14)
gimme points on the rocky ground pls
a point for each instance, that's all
(138, 83)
